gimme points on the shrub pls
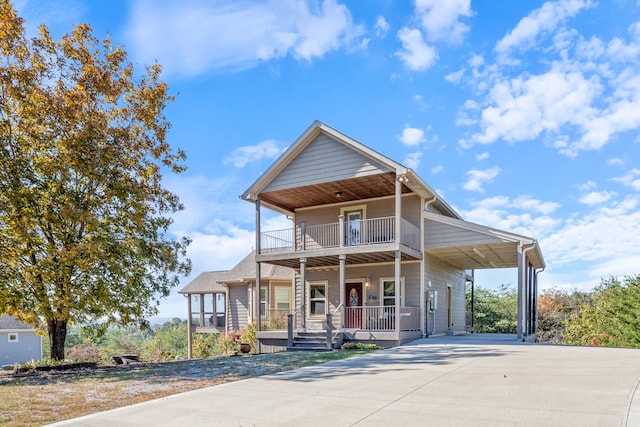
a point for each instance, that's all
(83, 352)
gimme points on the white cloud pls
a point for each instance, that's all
(437, 169)
(416, 54)
(193, 37)
(595, 197)
(482, 156)
(589, 185)
(600, 235)
(440, 19)
(477, 178)
(412, 137)
(534, 205)
(381, 27)
(616, 161)
(268, 149)
(541, 21)
(523, 215)
(455, 77)
(631, 179)
(523, 107)
(412, 160)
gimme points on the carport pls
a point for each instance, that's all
(479, 247)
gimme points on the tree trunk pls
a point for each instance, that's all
(57, 337)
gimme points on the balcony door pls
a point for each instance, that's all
(354, 227)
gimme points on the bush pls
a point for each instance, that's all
(205, 345)
(359, 346)
(83, 353)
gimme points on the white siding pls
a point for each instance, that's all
(324, 160)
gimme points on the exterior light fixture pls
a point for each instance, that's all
(367, 281)
(477, 252)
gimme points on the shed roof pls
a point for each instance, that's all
(10, 322)
(243, 272)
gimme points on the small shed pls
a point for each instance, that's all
(19, 342)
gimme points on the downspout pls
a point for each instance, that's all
(521, 289)
(423, 300)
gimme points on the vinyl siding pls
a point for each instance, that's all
(441, 274)
(324, 160)
(28, 347)
(238, 307)
(375, 209)
(441, 235)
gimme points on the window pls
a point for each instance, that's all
(317, 299)
(13, 337)
(388, 292)
(263, 301)
(282, 297)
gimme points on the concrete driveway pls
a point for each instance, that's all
(473, 380)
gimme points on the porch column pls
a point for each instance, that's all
(521, 281)
(189, 333)
(423, 305)
(398, 200)
(256, 296)
(522, 288)
(303, 293)
(397, 292)
(342, 287)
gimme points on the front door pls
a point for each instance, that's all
(353, 305)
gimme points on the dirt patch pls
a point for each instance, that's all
(45, 397)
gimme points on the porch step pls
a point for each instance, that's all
(311, 341)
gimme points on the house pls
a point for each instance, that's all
(377, 254)
(19, 342)
(222, 301)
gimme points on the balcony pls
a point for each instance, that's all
(359, 236)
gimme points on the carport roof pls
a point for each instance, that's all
(467, 245)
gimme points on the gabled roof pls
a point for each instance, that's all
(361, 187)
(8, 322)
(243, 272)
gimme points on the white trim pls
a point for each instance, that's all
(402, 289)
(324, 283)
(354, 208)
(13, 334)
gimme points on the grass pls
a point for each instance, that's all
(47, 397)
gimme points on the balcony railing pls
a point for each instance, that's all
(352, 233)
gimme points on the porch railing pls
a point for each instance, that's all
(275, 319)
(381, 318)
(355, 233)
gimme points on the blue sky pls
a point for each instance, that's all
(523, 115)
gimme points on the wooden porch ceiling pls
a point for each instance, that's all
(365, 187)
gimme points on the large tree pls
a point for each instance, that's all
(83, 215)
